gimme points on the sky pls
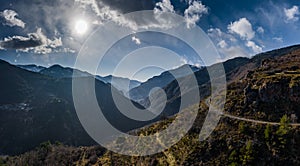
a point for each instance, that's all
(52, 32)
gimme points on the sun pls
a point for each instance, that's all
(81, 27)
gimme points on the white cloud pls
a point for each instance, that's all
(278, 39)
(184, 61)
(189, 1)
(164, 6)
(215, 31)
(47, 44)
(165, 22)
(255, 48)
(243, 28)
(35, 42)
(194, 12)
(228, 45)
(104, 13)
(233, 51)
(222, 44)
(217, 35)
(11, 19)
(136, 40)
(260, 30)
(91, 3)
(291, 14)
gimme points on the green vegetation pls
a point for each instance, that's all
(2, 162)
(233, 158)
(247, 154)
(230, 144)
(267, 132)
(283, 131)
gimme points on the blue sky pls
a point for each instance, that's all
(52, 32)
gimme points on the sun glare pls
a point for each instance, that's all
(81, 27)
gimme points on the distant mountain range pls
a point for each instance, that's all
(33, 68)
(57, 71)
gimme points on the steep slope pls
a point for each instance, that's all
(271, 91)
(123, 84)
(235, 69)
(174, 93)
(35, 108)
(141, 92)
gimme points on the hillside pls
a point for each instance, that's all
(268, 93)
(141, 92)
(35, 108)
(235, 70)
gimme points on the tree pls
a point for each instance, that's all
(242, 127)
(247, 153)
(283, 130)
(233, 158)
(267, 133)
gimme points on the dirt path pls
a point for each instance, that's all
(258, 121)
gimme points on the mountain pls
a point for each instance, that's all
(141, 92)
(58, 71)
(35, 108)
(235, 69)
(63, 72)
(259, 125)
(272, 90)
(33, 68)
(122, 84)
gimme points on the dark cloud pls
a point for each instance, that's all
(18, 42)
(34, 42)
